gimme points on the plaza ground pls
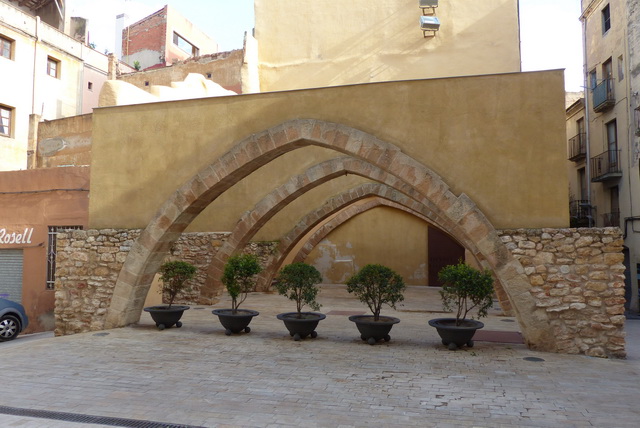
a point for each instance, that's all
(197, 376)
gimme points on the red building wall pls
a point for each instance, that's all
(33, 200)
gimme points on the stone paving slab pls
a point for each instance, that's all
(197, 376)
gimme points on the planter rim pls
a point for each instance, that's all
(290, 316)
(449, 323)
(165, 308)
(228, 312)
(368, 319)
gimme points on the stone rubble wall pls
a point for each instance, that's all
(88, 263)
(577, 278)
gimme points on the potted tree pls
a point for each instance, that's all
(298, 282)
(464, 289)
(376, 285)
(239, 279)
(174, 276)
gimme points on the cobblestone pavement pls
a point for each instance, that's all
(197, 376)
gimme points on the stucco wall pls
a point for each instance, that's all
(330, 42)
(487, 136)
(64, 142)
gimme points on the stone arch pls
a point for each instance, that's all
(341, 204)
(342, 217)
(251, 221)
(456, 214)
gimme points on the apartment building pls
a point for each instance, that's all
(604, 129)
(161, 39)
(47, 70)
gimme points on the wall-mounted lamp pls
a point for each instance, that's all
(429, 25)
(428, 6)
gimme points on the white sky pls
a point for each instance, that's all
(550, 30)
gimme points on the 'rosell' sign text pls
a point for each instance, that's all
(22, 237)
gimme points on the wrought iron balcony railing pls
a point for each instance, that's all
(611, 219)
(578, 147)
(606, 166)
(603, 96)
(580, 213)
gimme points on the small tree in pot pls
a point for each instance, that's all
(376, 285)
(174, 276)
(239, 277)
(298, 282)
(465, 289)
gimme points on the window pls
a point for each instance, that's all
(606, 19)
(612, 218)
(620, 69)
(185, 45)
(607, 69)
(593, 80)
(6, 114)
(53, 67)
(51, 253)
(90, 86)
(582, 179)
(612, 143)
(6, 47)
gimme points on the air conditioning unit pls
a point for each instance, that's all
(429, 24)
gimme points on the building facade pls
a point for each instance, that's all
(34, 206)
(330, 43)
(163, 38)
(52, 74)
(603, 147)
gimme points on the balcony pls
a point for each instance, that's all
(578, 147)
(603, 96)
(606, 166)
(611, 219)
(580, 213)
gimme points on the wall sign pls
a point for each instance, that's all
(9, 237)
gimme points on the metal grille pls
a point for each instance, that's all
(88, 419)
(11, 274)
(51, 253)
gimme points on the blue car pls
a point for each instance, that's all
(13, 319)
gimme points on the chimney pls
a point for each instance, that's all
(122, 21)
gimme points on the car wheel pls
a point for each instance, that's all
(9, 327)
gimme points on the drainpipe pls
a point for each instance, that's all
(586, 118)
(35, 60)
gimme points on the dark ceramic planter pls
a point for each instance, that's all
(235, 322)
(165, 316)
(373, 331)
(454, 336)
(299, 328)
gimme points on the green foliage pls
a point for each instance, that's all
(174, 276)
(297, 281)
(464, 289)
(376, 285)
(136, 65)
(239, 277)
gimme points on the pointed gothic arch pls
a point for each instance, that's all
(456, 214)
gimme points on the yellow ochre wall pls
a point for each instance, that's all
(498, 138)
(318, 43)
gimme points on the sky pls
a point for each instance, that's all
(550, 30)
